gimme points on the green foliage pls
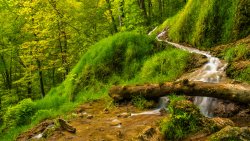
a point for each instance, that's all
(242, 74)
(121, 55)
(20, 114)
(139, 101)
(41, 115)
(165, 66)
(239, 52)
(233, 55)
(209, 22)
(185, 119)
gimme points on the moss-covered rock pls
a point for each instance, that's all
(185, 119)
(230, 133)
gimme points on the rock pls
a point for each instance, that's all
(48, 131)
(222, 122)
(66, 126)
(244, 113)
(82, 114)
(124, 115)
(105, 111)
(231, 133)
(146, 134)
(115, 122)
(225, 109)
(83, 108)
(90, 116)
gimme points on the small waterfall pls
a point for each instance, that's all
(163, 102)
(211, 72)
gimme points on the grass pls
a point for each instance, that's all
(234, 55)
(208, 23)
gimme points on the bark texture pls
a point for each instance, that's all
(226, 91)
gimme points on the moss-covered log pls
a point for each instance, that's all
(226, 91)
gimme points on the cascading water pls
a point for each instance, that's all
(163, 102)
(211, 72)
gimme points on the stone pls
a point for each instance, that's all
(90, 116)
(222, 122)
(225, 109)
(231, 133)
(82, 114)
(244, 113)
(146, 134)
(106, 111)
(115, 122)
(124, 115)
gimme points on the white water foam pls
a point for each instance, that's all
(211, 72)
(163, 102)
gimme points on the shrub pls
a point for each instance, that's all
(19, 114)
(185, 119)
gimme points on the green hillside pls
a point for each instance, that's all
(209, 22)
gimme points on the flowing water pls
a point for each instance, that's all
(163, 102)
(211, 72)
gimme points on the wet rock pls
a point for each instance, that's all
(225, 109)
(244, 113)
(146, 134)
(124, 115)
(231, 133)
(222, 122)
(90, 116)
(115, 122)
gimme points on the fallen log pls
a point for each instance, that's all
(225, 91)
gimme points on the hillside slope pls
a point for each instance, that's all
(209, 22)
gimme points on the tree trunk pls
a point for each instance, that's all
(143, 8)
(226, 91)
(115, 30)
(41, 78)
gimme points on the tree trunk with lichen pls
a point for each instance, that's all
(227, 91)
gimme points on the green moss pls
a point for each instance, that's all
(231, 134)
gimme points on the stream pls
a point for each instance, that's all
(211, 72)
